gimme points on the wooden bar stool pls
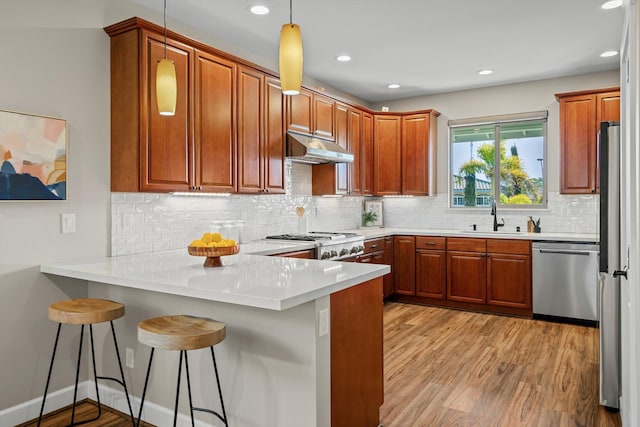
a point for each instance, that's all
(86, 311)
(182, 333)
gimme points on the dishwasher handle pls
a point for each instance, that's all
(562, 252)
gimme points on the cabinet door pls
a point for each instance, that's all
(366, 151)
(274, 147)
(323, 117)
(215, 123)
(387, 280)
(250, 125)
(355, 169)
(342, 139)
(608, 109)
(166, 143)
(467, 277)
(386, 157)
(404, 250)
(509, 280)
(299, 112)
(431, 277)
(578, 144)
(415, 157)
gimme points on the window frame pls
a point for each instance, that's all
(496, 121)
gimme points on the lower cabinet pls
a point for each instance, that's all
(477, 274)
(357, 382)
(306, 254)
(380, 251)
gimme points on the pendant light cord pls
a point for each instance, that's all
(290, 11)
(165, 29)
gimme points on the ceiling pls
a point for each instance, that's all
(425, 46)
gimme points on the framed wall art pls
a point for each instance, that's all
(33, 157)
(372, 216)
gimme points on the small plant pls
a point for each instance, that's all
(369, 217)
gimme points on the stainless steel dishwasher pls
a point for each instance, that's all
(565, 281)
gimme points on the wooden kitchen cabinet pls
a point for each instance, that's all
(380, 251)
(355, 170)
(580, 117)
(509, 273)
(419, 136)
(405, 153)
(404, 258)
(195, 149)
(260, 133)
(312, 114)
(306, 254)
(387, 283)
(366, 153)
(387, 146)
(431, 267)
(149, 152)
(466, 270)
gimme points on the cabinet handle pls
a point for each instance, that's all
(199, 188)
(266, 190)
(374, 246)
(193, 188)
(429, 243)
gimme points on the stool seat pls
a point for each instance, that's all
(180, 332)
(84, 311)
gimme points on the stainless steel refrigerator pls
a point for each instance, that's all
(609, 264)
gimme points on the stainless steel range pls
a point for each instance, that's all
(330, 246)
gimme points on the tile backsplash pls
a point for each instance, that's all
(151, 222)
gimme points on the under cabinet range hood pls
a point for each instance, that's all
(310, 149)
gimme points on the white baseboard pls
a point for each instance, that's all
(111, 397)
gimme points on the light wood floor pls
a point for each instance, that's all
(85, 410)
(455, 368)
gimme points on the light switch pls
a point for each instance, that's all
(68, 223)
(323, 322)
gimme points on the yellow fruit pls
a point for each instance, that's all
(216, 237)
(231, 242)
(211, 245)
(206, 237)
(198, 244)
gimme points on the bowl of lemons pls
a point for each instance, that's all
(213, 246)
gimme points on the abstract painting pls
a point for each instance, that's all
(33, 157)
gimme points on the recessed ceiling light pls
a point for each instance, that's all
(609, 53)
(612, 4)
(485, 72)
(343, 58)
(259, 9)
(393, 86)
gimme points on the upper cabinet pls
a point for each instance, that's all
(387, 155)
(419, 136)
(311, 113)
(260, 133)
(227, 134)
(580, 117)
(405, 153)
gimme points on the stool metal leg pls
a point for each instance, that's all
(124, 383)
(75, 389)
(146, 382)
(46, 387)
(215, 368)
(186, 365)
(175, 412)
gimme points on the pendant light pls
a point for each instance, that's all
(166, 84)
(290, 56)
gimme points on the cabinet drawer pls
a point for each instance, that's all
(430, 242)
(466, 244)
(503, 246)
(374, 245)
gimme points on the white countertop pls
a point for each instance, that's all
(275, 283)
(371, 232)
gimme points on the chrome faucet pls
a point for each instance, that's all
(495, 217)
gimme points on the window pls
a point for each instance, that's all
(498, 158)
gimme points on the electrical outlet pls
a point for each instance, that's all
(129, 358)
(323, 322)
(68, 223)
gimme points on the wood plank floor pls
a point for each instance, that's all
(85, 410)
(455, 368)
